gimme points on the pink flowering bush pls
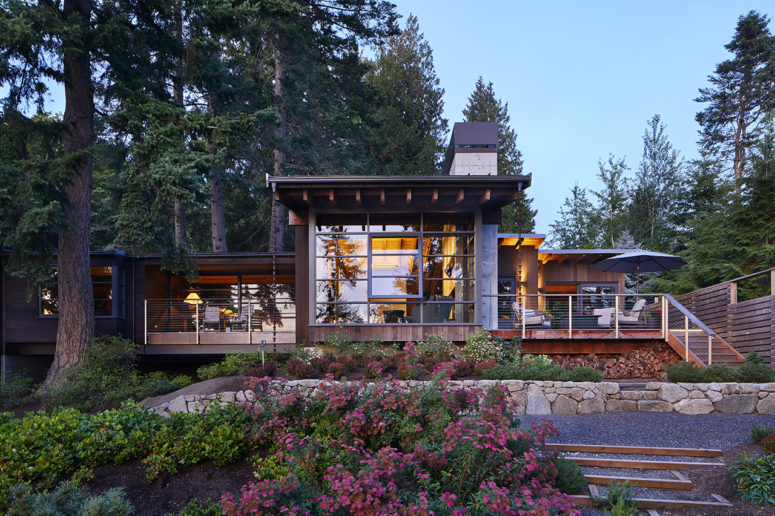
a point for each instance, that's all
(372, 449)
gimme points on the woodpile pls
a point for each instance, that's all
(645, 362)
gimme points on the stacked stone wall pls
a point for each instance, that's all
(561, 398)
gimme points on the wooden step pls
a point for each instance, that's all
(656, 483)
(648, 503)
(642, 464)
(634, 450)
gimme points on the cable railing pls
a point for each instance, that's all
(570, 313)
(248, 321)
(696, 337)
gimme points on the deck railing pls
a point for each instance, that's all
(249, 322)
(573, 312)
(696, 337)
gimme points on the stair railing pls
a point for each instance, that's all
(689, 325)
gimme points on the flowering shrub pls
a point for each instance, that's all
(373, 370)
(298, 368)
(336, 369)
(481, 366)
(480, 346)
(755, 478)
(437, 346)
(368, 449)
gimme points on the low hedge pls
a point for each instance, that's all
(753, 371)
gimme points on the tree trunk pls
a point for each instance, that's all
(75, 329)
(179, 207)
(277, 223)
(216, 210)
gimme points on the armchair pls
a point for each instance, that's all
(606, 315)
(532, 317)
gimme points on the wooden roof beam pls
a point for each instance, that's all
(331, 196)
(382, 197)
(434, 196)
(461, 194)
(358, 197)
(408, 196)
(305, 196)
(486, 197)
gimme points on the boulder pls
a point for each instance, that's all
(714, 396)
(694, 406)
(537, 404)
(178, 405)
(767, 405)
(654, 406)
(671, 392)
(591, 406)
(737, 404)
(608, 387)
(564, 405)
(621, 406)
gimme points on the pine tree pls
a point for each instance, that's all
(411, 129)
(484, 106)
(742, 93)
(655, 195)
(612, 201)
(576, 226)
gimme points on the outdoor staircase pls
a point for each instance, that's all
(683, 326)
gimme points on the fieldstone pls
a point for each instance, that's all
(696, 395)
(701, 386)
(730, 388)
(737, 404)
(653, 386)
(178, 404)
(767, 405)
(621, 406)
(537, 404)
(577, 393)
(767, 387)
(591, 406)
(189, 397)
(468, 383)
(310, 384)
(694, 407)
(650, 395)
(162, 412)
(228, 396)
(551, 396)
(671, 392)
(564, 405)
(714, 396)
(608, 387)
(550, 390)
(631, 395)
(519, 397)
(714, 386)
(514, 385)
(654, 406)
(750, 388)
(588, 395)
(564, 391)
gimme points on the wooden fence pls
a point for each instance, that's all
(747, 325)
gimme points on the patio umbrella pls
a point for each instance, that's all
(640, 261)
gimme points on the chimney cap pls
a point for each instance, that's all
(471, 137)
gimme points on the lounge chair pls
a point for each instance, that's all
(606, 315)
(212, 317)
(242, 318)
(532, 317)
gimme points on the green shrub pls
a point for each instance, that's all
(768, 443)
(511, 350)
(437, 346)
(532, 371)
(339, 340)
(755, 478)
(67, 500)
(618, 501)
(759, 432)
(15, 391)
(570, 479)
(159, 382)
(231, 365)
(755, 370)
(480, 346)
(719, 373)
(195, 508)
(297, 368)
(687, 372)
(585, 374)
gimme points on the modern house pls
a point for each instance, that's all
(391, 258)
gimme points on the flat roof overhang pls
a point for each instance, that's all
(396, 193)
(578, 255)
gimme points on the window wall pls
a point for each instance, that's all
(388, 268)
(102, 290)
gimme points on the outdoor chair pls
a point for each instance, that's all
(242, 318)
(532, 317)
(633, 316)
(212, 317)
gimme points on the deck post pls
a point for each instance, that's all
(686, 337)
(196, 325)
(710, 349)
(523, 317)
(772, 282)
(664, 317)
(570, 316)
(145, 322)
(616, 317)
(250, 325)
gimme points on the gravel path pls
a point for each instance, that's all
(667, 429)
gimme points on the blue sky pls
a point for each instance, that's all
(581, 78)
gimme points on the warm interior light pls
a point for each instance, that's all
(193, 299)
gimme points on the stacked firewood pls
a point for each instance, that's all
(646, 362)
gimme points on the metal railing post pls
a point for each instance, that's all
(664, 318)
(710, 349)
(686, 336)
(250, 324)
(197, 323)
(570, 316)
(616, 316)
(145, 322)
(523, 318)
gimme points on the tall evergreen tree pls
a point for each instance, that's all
(612, 201)
(411, 131)
(484, 106)
(576, 227)
(742, 92)
(655, 195)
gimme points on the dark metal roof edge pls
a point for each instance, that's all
(583, 251)
(350, 180)
(521, 235)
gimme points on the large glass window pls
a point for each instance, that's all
(102, 290)
(394, 268)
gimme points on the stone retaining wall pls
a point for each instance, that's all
(568, 398)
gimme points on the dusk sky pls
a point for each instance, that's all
(581, 78)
